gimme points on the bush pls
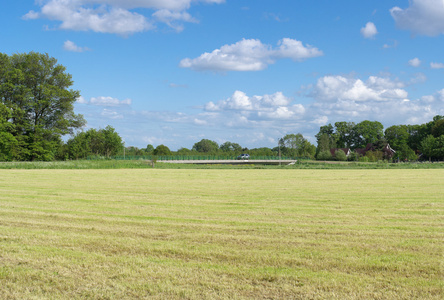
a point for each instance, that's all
(340, 155)
(324, 155)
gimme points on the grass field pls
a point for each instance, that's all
(221, 234)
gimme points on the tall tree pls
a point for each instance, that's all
(231, 147)
(206, 146)
(368, 132)
(162, 150)
(326, 139)
(428, 146)
(294, 145)
(8, 143)
(346, 134)
(36, 90)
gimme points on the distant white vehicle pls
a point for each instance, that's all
(244, 156)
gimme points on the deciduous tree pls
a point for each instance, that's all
(37, 92)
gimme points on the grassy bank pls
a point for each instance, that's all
(221, 234)
(146, 164)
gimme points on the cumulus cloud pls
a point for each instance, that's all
(71, 46)
(172, 18)
(435, 65)
(110, 114)
(424, 17)
(250, 55)
(415, 62)
(437, 97)
(369, 31)
(115, 16)
(275, 106)
(104, 101)
(373, 89)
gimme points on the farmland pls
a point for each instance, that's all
(221, 233)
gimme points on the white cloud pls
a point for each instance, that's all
(171, 18)
(250, 55)
(115, 16)
(342, 88)
(415, 62)
(425, 17)
(108, 101)
(110, 114)
(289, 48)
(81, 100)
(266, 107)
(369, 31)
(240, 101)
(437, 97)
(434, 65)
(71, 46)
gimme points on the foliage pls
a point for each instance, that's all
(428, 146)
(374, 156)
(149, 149)
(295, 145)
(103, 142)
(231, 147)
(35, 91)
(346, 134)
(340, 155)
(409, 141)
(206, 146)
(162, 150)
(324, 155)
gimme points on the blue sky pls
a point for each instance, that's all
(247, 71)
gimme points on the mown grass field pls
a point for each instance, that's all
(221, 234)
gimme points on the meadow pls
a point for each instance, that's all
(221, 233)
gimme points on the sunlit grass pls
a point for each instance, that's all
(224, 234)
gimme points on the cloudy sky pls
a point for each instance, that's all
(247, 71)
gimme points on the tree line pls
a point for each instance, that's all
(37, 111)
(410, 142)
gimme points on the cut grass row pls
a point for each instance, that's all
(221, 234)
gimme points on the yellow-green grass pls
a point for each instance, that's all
(221, 234)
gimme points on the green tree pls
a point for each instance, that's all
(162, 150)
(102, 142)
(326, 139)
(368, 132)
(231, 147)
(428, 146)
(346, 134)
(79, 146)
(184, 151)
(439, 147)
(324, 155)
(263, 151)
(112, 143)
(8, 142)
(206, 146)
(398, 138)
(295, 145)
(36, 90)
(438, 128)
(340, 155)
(149, 149)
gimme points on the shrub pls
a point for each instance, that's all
(340, 155)
(324, 155)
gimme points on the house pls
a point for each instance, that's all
(387, 150)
